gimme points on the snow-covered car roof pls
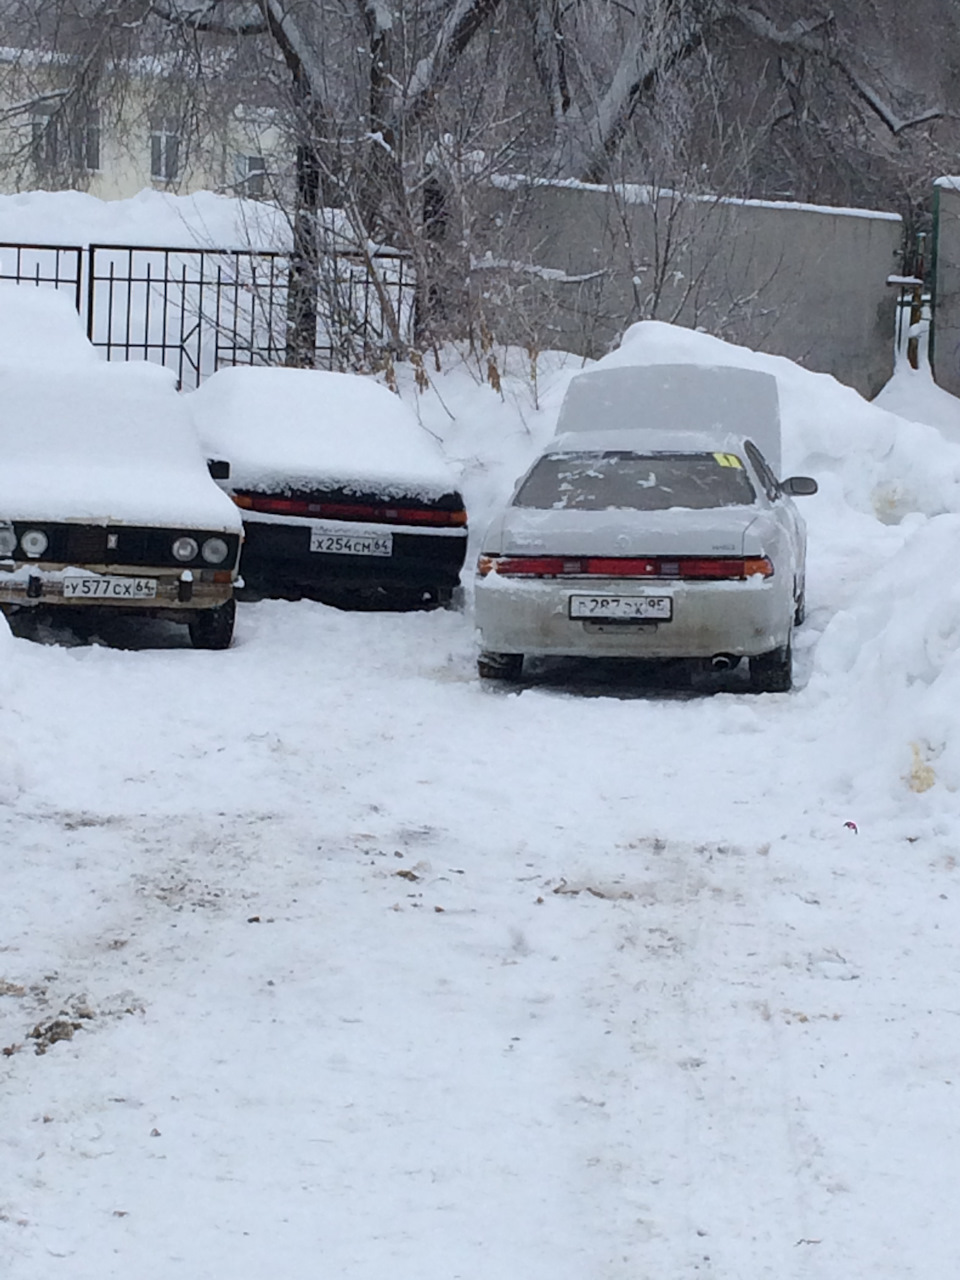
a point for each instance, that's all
(294, 429)
(40, 324)
(709, 399)
(106, 442)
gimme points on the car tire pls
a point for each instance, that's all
(800, 608)
(772, 672)
(213, 628)
(500, 666)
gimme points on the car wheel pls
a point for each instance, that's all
(499, 666)
(772, 672)
(213, 628)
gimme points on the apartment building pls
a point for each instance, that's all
(128, 134)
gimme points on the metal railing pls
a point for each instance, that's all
(43, 264)
(197, 310)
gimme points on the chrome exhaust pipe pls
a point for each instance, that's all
(723, 662)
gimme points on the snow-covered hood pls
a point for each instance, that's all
(300, 429)
(108, 443)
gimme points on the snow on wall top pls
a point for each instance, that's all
(949, 183)
(638, 193)
(287, 429)
(715, 400)
(106, 442)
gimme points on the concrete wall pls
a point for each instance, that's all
(945, 334)
(566, 265)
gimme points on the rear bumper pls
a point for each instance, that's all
(532, 617)
(278, 554)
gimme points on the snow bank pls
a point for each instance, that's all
(108, 442)
(492, 435)
(288, 429)
(41, 324)
(881, 464)
(893, 655)
(203, 220)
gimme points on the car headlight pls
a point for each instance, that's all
(34, 543)
(185, 548)
(215, 551)
(8, 539)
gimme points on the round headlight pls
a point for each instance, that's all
(185, 548)
(8, 539)
(34, 543)
(215, 551)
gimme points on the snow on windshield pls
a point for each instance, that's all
(643, 482)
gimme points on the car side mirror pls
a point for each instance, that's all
(799, 486)
(218, 468)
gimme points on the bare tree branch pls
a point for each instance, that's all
(549, 53)
(808, 36)
(200, 18)
(678, 30)
(461, 24)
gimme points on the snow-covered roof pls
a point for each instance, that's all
(288, 429)
(714, 400)
(105, 442)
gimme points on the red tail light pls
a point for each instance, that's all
(386, 514)
(625, 567)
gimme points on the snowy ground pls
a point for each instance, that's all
(370, 971)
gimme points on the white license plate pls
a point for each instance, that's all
(109, 588)
(622, 608)
(358, 542)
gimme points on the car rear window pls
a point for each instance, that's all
(642, 482)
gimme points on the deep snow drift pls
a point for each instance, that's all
(344, 965)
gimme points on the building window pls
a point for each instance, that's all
(252, 177)
(165, 150)
(45, 137)
(86, 141)
(61, 141)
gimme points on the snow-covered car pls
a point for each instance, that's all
(652, 526)
(106, 504)
(345, 497)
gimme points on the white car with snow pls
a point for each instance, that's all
(345, 497)
(105, 500)
(653, 526)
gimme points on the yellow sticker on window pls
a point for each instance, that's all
(729, 460)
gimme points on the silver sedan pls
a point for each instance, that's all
(626, 544)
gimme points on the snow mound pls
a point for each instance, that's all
(288, 429)
(202, 220)
(881, 464)
(894, 651)
(41, 325)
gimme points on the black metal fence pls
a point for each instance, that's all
(197, 310)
